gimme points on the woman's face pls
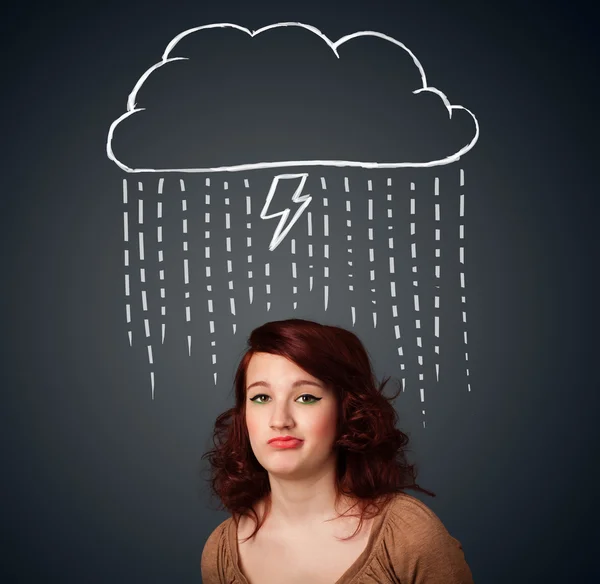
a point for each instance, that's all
(281, 400)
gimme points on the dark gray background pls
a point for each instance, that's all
(101, 483)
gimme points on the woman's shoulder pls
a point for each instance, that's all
(412, 517)
(411, 508)
(418, 544)
(217, 535)
(212, 550)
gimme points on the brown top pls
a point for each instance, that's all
(408, 544)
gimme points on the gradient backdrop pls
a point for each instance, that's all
(102, 483)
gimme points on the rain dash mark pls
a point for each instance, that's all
(413, 252)
(326, 253)
(436, 318)
(349, 249)
(268, 286)
(393, 281)
(275, 238)
(161, 272)
(143, 281)
(371, 249)
(186, 267)
(294, 274)
(462, 274)
(126, 261)
(209, 286)
(310, 249)
(249, 241)
(229, 262)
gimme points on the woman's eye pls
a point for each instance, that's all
(312, 398)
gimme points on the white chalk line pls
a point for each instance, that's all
(209, 289)
(229, 261)
(413, 252)
(294, 264)
(161, 271)
(349, 249)
(436, 300)
(461, 233)
(310, 249)
(392, 270)
(126, 262)
(186, 266)
(267, 285)
(325, 253)
(249, 241)
(143, 282)
(294, 274)
(371, 249)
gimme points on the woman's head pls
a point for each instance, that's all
(352, 424)
(282, 399)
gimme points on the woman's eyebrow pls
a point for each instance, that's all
(294, 385)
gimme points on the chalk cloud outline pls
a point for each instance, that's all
(132, 109)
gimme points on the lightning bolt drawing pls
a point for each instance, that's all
(297, 197)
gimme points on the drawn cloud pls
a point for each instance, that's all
(224, 98)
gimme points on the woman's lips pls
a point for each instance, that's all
(293, 443)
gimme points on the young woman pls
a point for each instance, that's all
(310, 439)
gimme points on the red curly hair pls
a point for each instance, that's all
(371, 461)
